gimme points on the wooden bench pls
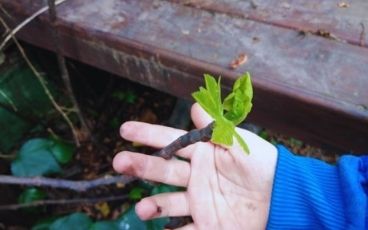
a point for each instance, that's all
(309, 60)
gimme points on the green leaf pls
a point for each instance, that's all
(44, 224)
(129, 220)
(73, 221)
(223, 132)
(242, 142)
(157, 224)
(210, 97)
(31, 194)
(104, 225)
(163, 188)
(21, 91)
(239, 102)
(62, 151)
(136, 193)
(130, 97)
(227, 115)
(35, 159)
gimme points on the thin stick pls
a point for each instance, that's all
(38, 203)
(62, 66)
(5, 12)
(362, 35)
(11, 103)
(189, 138)
(7, 156)
(43, 84)
(79, 186)
(25, 22)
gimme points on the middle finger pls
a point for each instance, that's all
(174, 172)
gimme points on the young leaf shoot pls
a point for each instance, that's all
(231, 112)
(227, 115)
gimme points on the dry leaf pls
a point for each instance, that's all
(103, 208)
(343, 5)
(240, 60)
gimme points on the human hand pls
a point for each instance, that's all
(225, 189)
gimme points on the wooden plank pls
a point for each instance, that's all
(345, 21)
(306, 86)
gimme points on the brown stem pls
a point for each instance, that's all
(189, 138)
(62, 202)
(62, 66)
(79, 186)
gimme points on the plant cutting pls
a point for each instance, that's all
(227, 114)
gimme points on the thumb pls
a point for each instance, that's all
(200, 118)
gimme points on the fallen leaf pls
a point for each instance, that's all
(343, 5)
(103, 208)
(120, 185)
(148, 116)
(240, 60)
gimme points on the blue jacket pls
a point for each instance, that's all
(311, 194)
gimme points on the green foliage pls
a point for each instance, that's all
(74, 221)
(20, 94)
(265, 135)
(127, 96)
(61, 150)
(104, 225)
(44, 224)
(295, 142)
(231, 112)
(163, 188)
(136, 193)
(39, 157)
(31, 194)
(130, 220)
(126, 221)
(239, 102)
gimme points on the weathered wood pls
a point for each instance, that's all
(338, 20)
(305, 85)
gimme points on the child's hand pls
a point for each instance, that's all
(225, 189)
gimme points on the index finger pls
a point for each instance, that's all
(156, 136)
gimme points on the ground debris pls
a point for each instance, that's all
(238, 61)
(343, 4)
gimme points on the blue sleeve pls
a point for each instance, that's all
(311, 194)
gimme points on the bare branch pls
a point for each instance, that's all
(62, 66)
(189, 138)
(25, 22)
(38, 203)
(79, 186)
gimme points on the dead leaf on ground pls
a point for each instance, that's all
(343, 5)
(240, 60)
(148, 116)
(103, 208)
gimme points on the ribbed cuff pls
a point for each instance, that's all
(306, 194)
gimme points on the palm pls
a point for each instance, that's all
(224, 192)
(225, 189)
